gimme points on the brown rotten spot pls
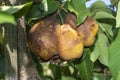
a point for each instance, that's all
(88, 30)
(70, 44)
(42, 40)
(70, 19)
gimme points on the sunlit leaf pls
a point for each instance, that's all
(99, 5)
(118, 16)
(23, 10)
(79, 8)
(114, 58)
(10, 9)
(6, 18)
(103, 15)
(107, 28)
(103, 48)
(95, 53)
(18, 11)
(100, 50)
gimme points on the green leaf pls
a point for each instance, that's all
(55, 69)
(100, 76)
(103, 15)
(2, 76)
(49, 6)
(114, 2)
(18, 11)
(6, 18)
(100, 50)
(40, 69)
(65, 70)
(114, 58)
(99, 6)
(103, 48)
(67, 78)
(22, 11)
(85, 67)
(47, 77)
(95, 53)
(66, 74)
(79, 8)
(10, 9)
(39, 11)
(107, 28)
(34, 13)
(118, 16)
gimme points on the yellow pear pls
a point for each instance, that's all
(88, 30)
(70, 44)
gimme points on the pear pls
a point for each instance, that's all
(70, 19)
(42, 39)
(88, 30)
(70, 44)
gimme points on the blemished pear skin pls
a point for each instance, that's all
(48, 39)
(42, 39)
(70, 44)
(70, 19)
(89, 30)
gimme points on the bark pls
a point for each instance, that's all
(18, 61)
(10, 51)
(27, 68)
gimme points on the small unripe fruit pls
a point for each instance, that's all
(88, 30)
(70, 44)
(42, 39)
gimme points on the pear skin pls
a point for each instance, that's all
(70, 19)
(42, 39)
(70, 44)
(88, 30)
